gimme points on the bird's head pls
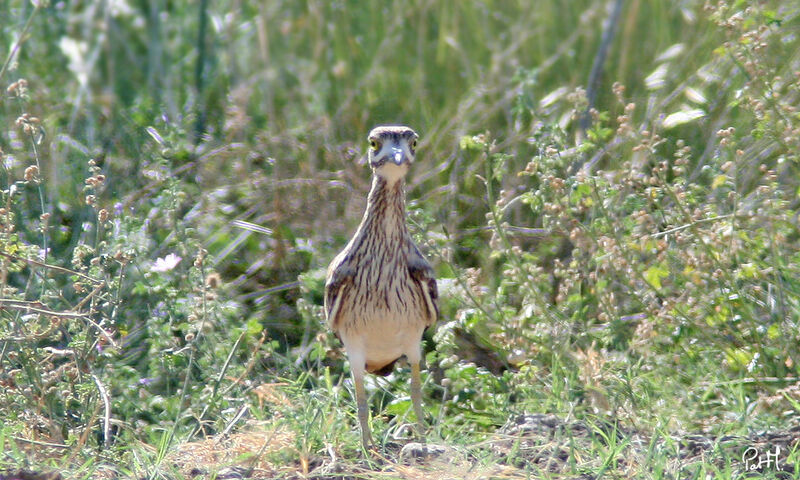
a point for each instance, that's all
(391, 151)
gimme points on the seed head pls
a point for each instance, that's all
(31, 173)
(213, 280)
(18, 88)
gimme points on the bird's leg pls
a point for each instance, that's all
(357, 370)
(416, 396)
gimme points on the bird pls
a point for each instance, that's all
(380, 291)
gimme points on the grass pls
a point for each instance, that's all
(617, 301)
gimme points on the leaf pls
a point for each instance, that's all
(671, 53)
(774, 331)
(499, 162)
(553, 97)
(657, 78)
(472, 143)
(695, 95)
(398, 407)
(738, 358)
(599, 134)
(682, 117)
(254, 327)
(654, 275)
(747, 270)
(580, 192)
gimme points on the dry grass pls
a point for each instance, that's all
(245, 451)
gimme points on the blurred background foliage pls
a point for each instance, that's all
(198, 164)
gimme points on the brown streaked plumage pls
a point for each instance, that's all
(380, 292)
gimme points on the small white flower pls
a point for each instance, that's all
(165, 264)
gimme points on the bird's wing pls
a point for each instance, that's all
(422, 272)
(340, 276)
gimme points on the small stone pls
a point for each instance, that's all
(416, 451)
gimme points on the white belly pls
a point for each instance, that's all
(384, 346)
(390, 335)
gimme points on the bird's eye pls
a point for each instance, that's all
(374, 144)
(414, 143)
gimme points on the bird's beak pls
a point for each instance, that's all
(398, 156)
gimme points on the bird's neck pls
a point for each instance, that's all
(386, 208)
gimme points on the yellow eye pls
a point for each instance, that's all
(414, 143)
(374, 144)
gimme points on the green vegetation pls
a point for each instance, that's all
(618, 269)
